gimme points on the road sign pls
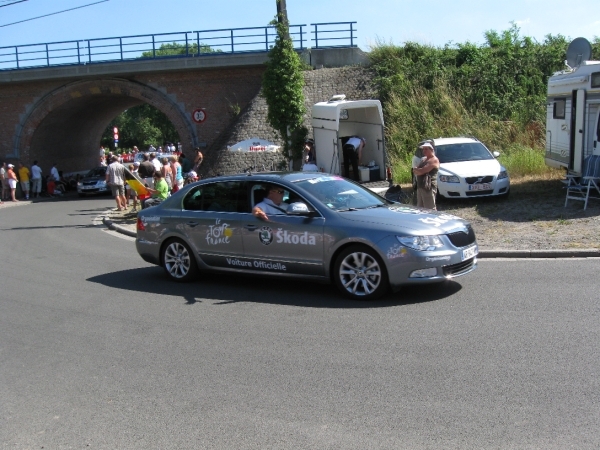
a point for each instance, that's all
(199, 115)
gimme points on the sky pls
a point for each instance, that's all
(430, 22)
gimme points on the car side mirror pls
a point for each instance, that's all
(496, 154)
(298, 209)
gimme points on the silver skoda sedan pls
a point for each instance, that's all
(334, 230)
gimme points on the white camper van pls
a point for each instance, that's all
(573, 110)
(335, 121)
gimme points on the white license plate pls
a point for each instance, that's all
(470, 252)
(88, 187)
(480, 187)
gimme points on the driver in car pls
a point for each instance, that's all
(271, 204)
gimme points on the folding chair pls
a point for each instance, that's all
(579, 187)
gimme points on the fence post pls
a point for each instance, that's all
(89, 52)
(153, 48)
(351, 34)
(198, 41)
(17, 56)
(78, 54)
(121, 47)
(187, 47)
(231, 33)
(267, 39)
(316, 35)
(47, 56)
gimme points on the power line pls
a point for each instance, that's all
(52, 14)
(13, 3)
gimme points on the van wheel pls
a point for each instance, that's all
(360, 274)
(178, 261)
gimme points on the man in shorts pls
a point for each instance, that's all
(115, 178)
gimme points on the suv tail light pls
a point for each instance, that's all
(140, 225)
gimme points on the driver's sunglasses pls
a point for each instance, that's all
(279, 191)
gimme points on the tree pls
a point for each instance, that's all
(282, 88)
(176, 49)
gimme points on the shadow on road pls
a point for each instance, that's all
(247, 288)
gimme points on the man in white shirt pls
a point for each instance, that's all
(352, 155)
(36, 179)
(54, 173)
(271, 204)
(155, 162)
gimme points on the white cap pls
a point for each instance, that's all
(137, 163)
(425, 145)
(10, 165)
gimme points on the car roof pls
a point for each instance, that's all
(453, 140)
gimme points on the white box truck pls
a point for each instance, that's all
(335, 121)
(573, 110)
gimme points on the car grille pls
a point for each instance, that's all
(462, 239)
(459, 269)
(486, 179)
(89, 183)
(476, 193)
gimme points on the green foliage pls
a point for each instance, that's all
(495, 91)
(176, 49)
(283, 81)
(141, 126)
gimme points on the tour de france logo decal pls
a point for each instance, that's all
(265, 235)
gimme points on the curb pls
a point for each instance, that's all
(118, 228)
(483, 254)
(579, 253)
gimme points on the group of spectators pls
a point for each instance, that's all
(32, 181)
(160, 177)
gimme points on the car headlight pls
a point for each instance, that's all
(79, 184)
(101, 183)
(503, 174)
(421, 243)
(449, 179)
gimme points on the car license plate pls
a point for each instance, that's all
(480, 187)
(470, 252)
(88, 187)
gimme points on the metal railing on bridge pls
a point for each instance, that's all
(173, 45)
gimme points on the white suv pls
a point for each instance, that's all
(469, 169)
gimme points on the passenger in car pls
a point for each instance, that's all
(271, 204)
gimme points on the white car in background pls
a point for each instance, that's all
(468, 169)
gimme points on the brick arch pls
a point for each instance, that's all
(66, 125)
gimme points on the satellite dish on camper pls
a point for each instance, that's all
(579, 50)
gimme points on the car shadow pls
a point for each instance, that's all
(258, 289)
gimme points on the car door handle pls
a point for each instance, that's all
(191, 224)
(250, 227)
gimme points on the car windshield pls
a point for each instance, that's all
(97, 172)
(339, 194)
(467, 151)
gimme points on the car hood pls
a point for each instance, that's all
(92, 179)
(471, 168)
(415, 220)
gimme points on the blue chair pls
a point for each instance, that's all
(579, 186)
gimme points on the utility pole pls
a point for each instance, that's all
(282, 17)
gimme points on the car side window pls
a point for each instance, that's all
(225, 196)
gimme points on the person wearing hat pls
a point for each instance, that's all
(11, 178)
(426, 173)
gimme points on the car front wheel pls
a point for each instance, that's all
(178, 261)
(360, 274)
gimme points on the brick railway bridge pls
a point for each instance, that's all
(58, 114)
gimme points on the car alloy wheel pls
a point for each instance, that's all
(360, 274)
(178, 261)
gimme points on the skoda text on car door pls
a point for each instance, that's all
(293, 243)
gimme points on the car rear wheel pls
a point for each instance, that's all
(178, 261)
(360, 274)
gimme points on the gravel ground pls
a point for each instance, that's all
(533, 217)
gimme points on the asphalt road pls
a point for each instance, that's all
(99, 350)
